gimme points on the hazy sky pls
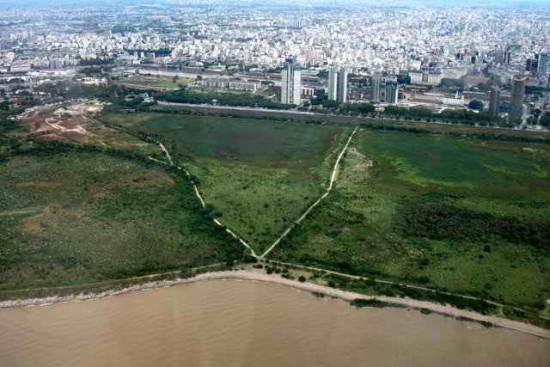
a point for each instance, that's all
(411, 3)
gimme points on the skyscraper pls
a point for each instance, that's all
(338, 84)
(508, 54)
(499, 56)
(291, 83)
(516, 102)
(392, 91)
(531, 65)
(375, 83)
(542, 67)
(333, 84)
(342, 85)
(494, 101)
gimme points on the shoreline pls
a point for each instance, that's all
(275, 279)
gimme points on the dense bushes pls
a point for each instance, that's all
(359, 302)
(225, 99)
(429, 217)
(467, 116)
(7, 112)
(454, 116)
(408, 113)
(159, 249)
(357, 108)
(369, 286)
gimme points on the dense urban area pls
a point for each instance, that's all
(485, 66)
(392, 151)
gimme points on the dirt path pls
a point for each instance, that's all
(357, 277)
(201, 199)
(332, 181)
(166, 152)
(333, 176)
(353, 119)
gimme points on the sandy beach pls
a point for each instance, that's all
(310, 287)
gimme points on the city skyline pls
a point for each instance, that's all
(291, 3)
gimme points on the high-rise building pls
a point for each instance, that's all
(342, 93)
(376, 81)
(516, 102)
(499, 56)
(392, 91)
(531, 65)
(333, 84)
(291, 83)
(509, 53)
(542, 67)
(507, 57)
(494, 101)
(338, 84)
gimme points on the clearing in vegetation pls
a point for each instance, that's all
(76, 123)
(77, 217)
(258, 177)
(464, 215)
(152, 82)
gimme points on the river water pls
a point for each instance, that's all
(245, 323)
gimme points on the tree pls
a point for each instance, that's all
(302, 278)
(452, 84)
(476, 105)
(403, 79)
(323, 74)
(357, 107)
(545, 120)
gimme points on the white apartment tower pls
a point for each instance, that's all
(332, 84)
(392, 91)
(338, 84)
(291, 83)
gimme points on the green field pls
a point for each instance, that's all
(78, 217)
(258, 176)
(465, 215)
(171, 83)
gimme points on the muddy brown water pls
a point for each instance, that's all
(246, 323)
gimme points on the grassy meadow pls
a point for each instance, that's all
(81, 217)
(259, 176)
(464, 215)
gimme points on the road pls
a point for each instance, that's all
(352, 118)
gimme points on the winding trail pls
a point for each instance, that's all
(317, 202)
(257, 276)
(333, 178)
(167, 153)
(201, 199)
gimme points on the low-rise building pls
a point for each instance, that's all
(426, 77)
